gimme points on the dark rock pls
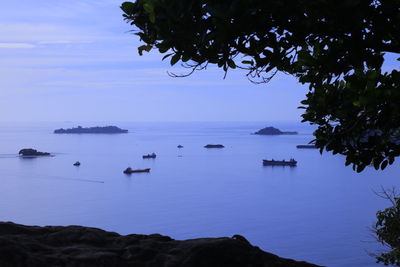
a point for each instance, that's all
(76, 246)
(272, 131)
(91, 130)
(30, 152)
(213, 146)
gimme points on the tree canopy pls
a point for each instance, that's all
(337, 48)
(387, 229)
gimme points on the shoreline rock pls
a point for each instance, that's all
(74, 246)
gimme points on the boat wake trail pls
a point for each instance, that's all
(8, 156)
(51, 177)
(72, 179)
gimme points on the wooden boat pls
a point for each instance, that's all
(214, 146)
(77, 163)
(291, 163)
(129, 170)
(150, 156)
(306, 146)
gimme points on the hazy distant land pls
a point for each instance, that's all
(91, 130)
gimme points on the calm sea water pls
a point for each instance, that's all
(319, 211)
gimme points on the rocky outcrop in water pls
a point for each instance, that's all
(30, 152)
(77, 246)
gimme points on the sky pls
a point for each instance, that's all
(76, 60)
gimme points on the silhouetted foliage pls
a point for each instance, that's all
(387, 229)
(336, 47)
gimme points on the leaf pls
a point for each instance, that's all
(175, 59)
(384, 164)
(128, 8)
(360, 168)
(167, 55)
(248, 62)
(372, 75)
(142, 48)
(376, 164)
(148, 7)
(185, 58)
(163, 49)
(152, 18)
(231, 64)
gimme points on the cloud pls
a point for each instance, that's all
(16, 45)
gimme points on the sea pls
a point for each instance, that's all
(319, 211)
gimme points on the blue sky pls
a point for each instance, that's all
(75, 60)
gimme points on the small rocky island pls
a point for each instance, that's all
(91, 130)
(273, 131)
(77, 246)
(30, 152)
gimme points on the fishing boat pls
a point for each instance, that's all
(77, 163)
(180, 146)
(150, 156)
(291, 162)
(129, 170)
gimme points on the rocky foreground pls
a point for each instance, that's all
(70, 246)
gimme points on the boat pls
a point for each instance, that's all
(291, 162)
(214, 146)
(306, 146)
(150, 156)
(77, 163)
(129, 170)
(180, 146)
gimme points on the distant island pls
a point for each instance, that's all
(272, 131)
(91, 130)
(30, 152)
